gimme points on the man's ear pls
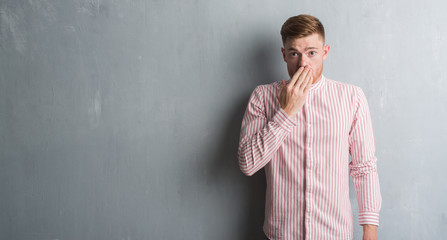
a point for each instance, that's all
(283, 54)
(326, 51)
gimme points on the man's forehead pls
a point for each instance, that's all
(311, 41)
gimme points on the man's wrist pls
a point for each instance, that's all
(369, 232)
(372, 226)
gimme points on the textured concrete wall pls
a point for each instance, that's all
(119, 119)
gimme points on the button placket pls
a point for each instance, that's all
(308, 167)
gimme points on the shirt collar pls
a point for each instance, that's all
(318, 84)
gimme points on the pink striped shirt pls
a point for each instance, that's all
(306, 160)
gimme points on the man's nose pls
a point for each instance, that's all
(302, 61)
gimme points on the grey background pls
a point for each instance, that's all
(120, 119)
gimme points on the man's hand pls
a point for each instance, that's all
(369, 232)
(292, 96)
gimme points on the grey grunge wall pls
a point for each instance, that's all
(120, 119)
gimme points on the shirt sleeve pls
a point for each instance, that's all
(260, 137)
(363, 163)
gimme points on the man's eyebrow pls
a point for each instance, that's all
(294, 49)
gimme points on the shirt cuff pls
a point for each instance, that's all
(283, 120)
(369, 218)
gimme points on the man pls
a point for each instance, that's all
(302, 132)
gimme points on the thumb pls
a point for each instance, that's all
(283, 84)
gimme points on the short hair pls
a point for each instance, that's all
(301, 26)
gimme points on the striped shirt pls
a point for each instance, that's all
(306, 160)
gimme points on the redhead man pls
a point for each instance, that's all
(302, 132)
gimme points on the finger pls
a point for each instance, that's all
(309, 85)
(307, 81)
(302, 77)
(295, 76)
(311, 76)
(305, 84)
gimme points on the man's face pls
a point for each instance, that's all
(307, 51)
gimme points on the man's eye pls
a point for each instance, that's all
(294, 54)
(312, 53)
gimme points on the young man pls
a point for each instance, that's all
(302, 132)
